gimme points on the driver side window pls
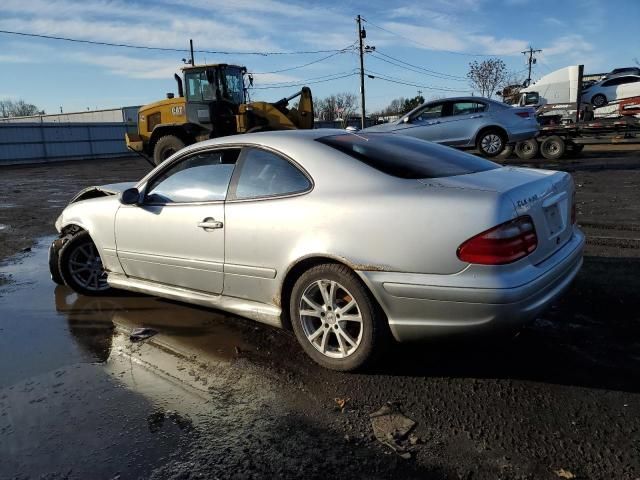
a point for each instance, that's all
(203, 177)
(430, 112)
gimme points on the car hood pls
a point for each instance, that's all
(101, 191)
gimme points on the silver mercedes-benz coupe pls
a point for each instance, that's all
(347, 239)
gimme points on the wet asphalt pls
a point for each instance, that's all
(215, 396)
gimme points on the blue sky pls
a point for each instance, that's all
(439, 35)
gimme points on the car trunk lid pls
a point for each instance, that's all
(546, 196)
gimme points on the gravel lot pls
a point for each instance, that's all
(214, 396)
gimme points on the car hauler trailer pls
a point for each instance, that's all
(567, 124)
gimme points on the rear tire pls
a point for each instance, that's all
(553, 148)
(527, 149)
(491, 142)
(165, 147)
(326, 295)
(81, 268)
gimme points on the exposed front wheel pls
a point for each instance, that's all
(335, 319)
(491, 143)
(81, 267)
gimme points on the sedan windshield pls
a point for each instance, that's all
(407, 157)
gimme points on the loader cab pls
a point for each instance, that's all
(213, 94)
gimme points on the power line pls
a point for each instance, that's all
(321, 77)
(429, 47)
(162, 49)
(303, 83)
(400, 81)
(344, 50)
(417, 69)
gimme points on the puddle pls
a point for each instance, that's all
(77, 394)
(7, 205)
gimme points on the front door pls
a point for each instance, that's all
(176, 236)
(426, 124)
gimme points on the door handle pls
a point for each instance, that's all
(209, 223)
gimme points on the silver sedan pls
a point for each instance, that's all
(467, 122)
(348, 239)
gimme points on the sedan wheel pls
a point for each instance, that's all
(491, 143)
(81, 267)
(334, 318)
(599, 100)
(331, 319)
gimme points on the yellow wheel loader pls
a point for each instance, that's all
(211, 103)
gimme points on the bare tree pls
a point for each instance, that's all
(487, 76)
(18, 108)
(337, 106)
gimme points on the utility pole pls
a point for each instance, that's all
(362, 34)
(191, 48)
(532, 60)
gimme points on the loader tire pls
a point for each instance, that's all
(165, 147)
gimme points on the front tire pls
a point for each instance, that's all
(81, 268)
(165, 147)
(335, 319)
(491, 142)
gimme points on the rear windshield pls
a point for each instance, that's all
(407, 157)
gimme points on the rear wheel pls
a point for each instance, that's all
(491, 142)
(335, 319)
(81, 267)
(527, 149)
(553, 148)
(165, 147)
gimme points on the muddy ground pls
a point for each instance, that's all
(214, 396)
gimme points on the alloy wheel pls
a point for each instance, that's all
(491, 143)
(85, 266)
(331, 319)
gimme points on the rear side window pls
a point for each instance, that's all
(407, 157)
(265, 174)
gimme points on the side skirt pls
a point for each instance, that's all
(257, 311)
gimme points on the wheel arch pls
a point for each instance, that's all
(500, 129)
(302, 264)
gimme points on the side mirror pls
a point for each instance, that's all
(130, 196)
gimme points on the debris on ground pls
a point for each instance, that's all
(341, 403)
(140, 334)
(562, 473)
(391, 428)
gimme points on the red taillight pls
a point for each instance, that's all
(573, 208)
(502, 244)
(523, 114)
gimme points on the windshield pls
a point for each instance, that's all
(198, 87)
(234, 85)
(407, 157)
